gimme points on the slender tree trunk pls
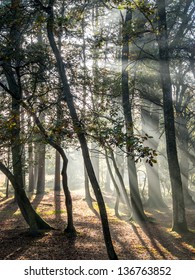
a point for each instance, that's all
(7, 188)
(70, 229)
(179, 219)
(94, 94)
(137, 207)
(6, 178)
(122, 188)
(41, 169)
(36, 157)
(95, 159)
(183, 136)
(80, 133)
(57, 180)
(88, 197)
(118, 195)
(22, 133)
(184, 166)
(31, 177)
(150, 126)
(31, 162)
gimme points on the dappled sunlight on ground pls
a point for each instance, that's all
(151, 240)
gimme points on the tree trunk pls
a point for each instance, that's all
(57, 180)
(13, 76)
(183, 136)
(122, 188)
(22, 132)
(70, 229)
(88, 197)
(179, 219)
(6, 178)
(184, 166)
(29, 214)
(118, 195)
(137, 207)
(150, 126)
(31, 183)
(119, 158)
(41, 169)
(95, 159)
(80, 133)
(7, 187)
(36, 157)
(35, 222)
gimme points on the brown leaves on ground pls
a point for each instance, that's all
(131, 240)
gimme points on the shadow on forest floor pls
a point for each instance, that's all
(131, 240)
(165, 241)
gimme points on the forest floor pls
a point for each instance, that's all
(132, 241)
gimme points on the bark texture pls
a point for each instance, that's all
(179, 219)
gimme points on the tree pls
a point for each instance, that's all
(78, 127)
(41, 168)
(11, 70)
(138, 211)
(150, 123)
(31, 184)
(179, 219)
(182, 57)
(18, 100)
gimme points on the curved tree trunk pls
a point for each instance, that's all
(80, 132)
(70, 227)
(68, 200)
(35, 222)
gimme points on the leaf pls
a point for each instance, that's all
(121, 7)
